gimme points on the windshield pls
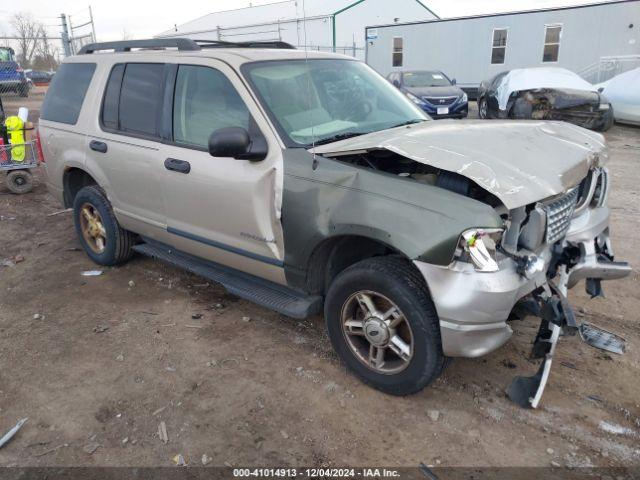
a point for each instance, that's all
(323, 99)
(5, 55)
(425, 79)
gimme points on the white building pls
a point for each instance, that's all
(326, 25)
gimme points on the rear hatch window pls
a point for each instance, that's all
(66, 92)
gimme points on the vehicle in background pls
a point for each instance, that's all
(544, 93)
(433, 92)
(12, 76)
(39, 77)
(623, 91)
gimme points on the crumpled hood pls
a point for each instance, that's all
(520, 162)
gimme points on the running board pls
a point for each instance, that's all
(257, 290)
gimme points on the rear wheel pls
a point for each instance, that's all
(20, 181)
(102, 238)
(384, 326)
(23, 91)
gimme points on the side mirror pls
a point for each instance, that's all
(235, 142)
(396, 83)
(454, 81)
(600, 89)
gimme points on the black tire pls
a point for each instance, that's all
(482, 101)
(398, 280)
(23, 91)
(118, 247)
(19, 181)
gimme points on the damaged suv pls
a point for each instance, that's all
(307, 183)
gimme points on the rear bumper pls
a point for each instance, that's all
(473, 307)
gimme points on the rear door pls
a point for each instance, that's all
(222, 209)
(127, 146)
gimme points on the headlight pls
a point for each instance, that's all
(414, 99)
(465, 98)
(479, 246)
(604, 106)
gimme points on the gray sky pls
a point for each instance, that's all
(144, 18)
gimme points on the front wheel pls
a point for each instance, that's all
(483, 109)
(102, 238)
(384, 326)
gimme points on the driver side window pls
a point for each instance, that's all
(205, 101)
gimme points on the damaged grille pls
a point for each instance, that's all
(559, 214)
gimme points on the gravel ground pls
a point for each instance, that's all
(98, 364)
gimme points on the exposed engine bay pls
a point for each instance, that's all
(579, 107)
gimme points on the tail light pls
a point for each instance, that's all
(39, 147)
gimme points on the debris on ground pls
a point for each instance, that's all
(60, 212)
(92, 273)
(246, 319)
(196, 316)
(11, 261)
(284, 434)
(120, 358)
(38, 316)
(550, 451)
(132, 283)
(179, 460)
(616, 429)
(206, 460)
(10, 434)
(51, 450)
(90, 448)
(100, 328)
(160, 410)
(434, 415)
(162, 432)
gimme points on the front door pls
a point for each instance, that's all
(222, 209)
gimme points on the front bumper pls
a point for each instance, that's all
(473, 307)
(457, 110)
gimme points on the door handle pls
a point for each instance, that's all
(176, 165)
(97, 146)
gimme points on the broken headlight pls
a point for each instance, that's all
(478, 246)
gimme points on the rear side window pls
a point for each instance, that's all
(66, 92)
(141, 98)
(112, 98)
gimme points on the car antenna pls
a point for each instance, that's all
(306, 64)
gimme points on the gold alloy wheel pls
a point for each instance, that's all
(92, 228)
(377, 332)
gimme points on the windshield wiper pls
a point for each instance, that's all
(336, 138)
(409, 122)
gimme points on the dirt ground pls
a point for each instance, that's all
(97, 363)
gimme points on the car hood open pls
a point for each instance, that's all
(520, 162)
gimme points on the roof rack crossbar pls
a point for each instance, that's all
(246, 44)
(182, 44)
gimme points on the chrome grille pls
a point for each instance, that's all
(559, 214)
(440, 101)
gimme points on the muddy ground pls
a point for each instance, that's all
(97, 363)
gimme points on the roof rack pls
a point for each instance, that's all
(182, 44)
(248, 44)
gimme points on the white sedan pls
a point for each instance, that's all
(623, 91)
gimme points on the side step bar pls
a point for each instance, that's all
(257, 290)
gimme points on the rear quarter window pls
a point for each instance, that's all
(66, 93)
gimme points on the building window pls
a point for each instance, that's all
(499, 45)
(397, 51)
(552, 35)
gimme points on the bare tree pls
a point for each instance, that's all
(29, 32)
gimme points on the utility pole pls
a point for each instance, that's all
(66, 44)
(93, 27)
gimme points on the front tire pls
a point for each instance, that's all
(483, 109)
(102, 238)
(382, 323)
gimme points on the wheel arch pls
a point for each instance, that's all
(73, 180)
(336, 253)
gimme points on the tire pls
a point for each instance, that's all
(117, 244)
(23, 91)
(482, 104)
(398, 280)
(19, 181)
